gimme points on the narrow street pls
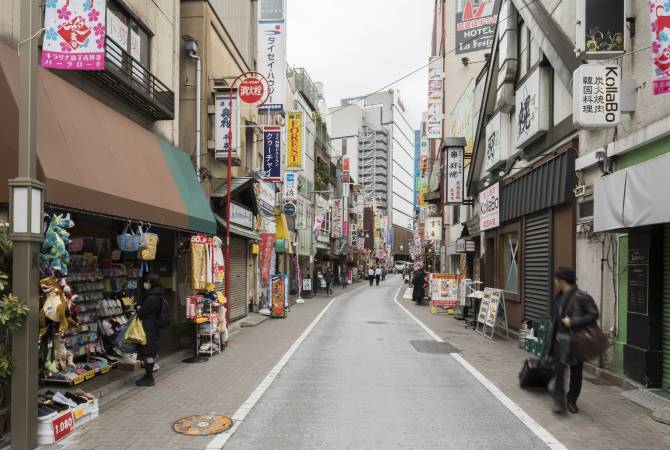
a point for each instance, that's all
(359, 381)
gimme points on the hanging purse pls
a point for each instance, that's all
(148, 245)
(128, 241)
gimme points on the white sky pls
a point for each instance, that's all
(356, 47)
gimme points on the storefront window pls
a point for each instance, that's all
(511, 262)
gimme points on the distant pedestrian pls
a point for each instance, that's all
(418, 291)
(329, 276)
(378, 274)
(571, 310)
(384, 273)
(371, 275)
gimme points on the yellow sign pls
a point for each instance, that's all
(78, 379)
(79, 412)
(294, 138)
(90, 374)
(104, 369)
(422, 202)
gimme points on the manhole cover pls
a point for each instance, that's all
(376, 322)
(433, 347)
(202, 425)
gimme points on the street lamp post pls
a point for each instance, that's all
(26, 200)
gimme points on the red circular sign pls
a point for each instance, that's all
(251, 90)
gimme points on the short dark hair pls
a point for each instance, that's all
(566, 274)
(153, 279)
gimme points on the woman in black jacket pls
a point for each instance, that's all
(149, 313)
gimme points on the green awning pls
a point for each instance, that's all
(200, 214)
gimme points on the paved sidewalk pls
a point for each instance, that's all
(606, 419)
(143, 418)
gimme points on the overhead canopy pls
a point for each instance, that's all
(633, 197)
(238, 230)
(92, 158)
(241, 190)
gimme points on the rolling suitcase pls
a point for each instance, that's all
(536, 373)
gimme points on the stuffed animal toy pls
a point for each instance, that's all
(56, 307)
(63, 358)
(54, 255)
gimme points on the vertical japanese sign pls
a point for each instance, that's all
(345, 169)
(271, 61)
(272, 154)
(267, 247)
(295, 133)
(336, 218)
(596, 99)
(354, 236)
(455, 175)
(435, 85)
(224, 118)
(660, 45)
(74, 36)
(475, 24)
(290, 186)
(417, 173)
(489, 207)
(279, 295)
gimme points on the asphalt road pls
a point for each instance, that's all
(358, 382)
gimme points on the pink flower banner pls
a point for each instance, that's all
(659, 11)
(74, 35)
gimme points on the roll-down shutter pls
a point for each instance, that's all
(238, 278)
(666, 310)
(537, 266)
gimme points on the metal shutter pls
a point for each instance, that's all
(665, 381)
(238, 278)
(537, 266)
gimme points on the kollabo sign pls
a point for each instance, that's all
(489, 207)
(596, 96)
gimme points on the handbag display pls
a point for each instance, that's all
(128, 241)
(589, 342)
(148, 246)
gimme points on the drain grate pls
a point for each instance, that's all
(376, 322)
(433, 347)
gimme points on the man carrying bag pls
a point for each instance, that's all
(574, 336)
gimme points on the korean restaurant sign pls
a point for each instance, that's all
(271, 61)
(272, 154)
(596, 98)
(74, 34)
(532, 107)
(489, 207)
(224, 119)
(475, 24)
(294, 137)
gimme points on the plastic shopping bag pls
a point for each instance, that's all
(121, 344)
(135, 333)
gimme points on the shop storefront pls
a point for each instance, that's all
(632, 203)
(536, 233)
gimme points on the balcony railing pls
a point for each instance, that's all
(304, 84)
(127, 77)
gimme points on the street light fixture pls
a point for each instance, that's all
(26, 209)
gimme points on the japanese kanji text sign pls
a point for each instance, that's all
(596, 96)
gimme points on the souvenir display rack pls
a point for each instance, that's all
(208, 312)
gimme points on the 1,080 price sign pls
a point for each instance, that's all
(63, 426)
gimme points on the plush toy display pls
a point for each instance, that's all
(56, 307)
(54, 255)
(63, 358)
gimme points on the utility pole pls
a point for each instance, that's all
(26, 238)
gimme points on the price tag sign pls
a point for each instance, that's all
(78, 380)
(79, 412)
(90, 374)
(63, 426)
(105, 369)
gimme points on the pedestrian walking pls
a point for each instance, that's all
(378, 274)
(329, 276)
(384, 271)
(371, 275)
(571, 311)
(148, 312)
(418, 291)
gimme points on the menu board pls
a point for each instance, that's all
(494, 304)
(443, 290)
(484, 306)
(638, 281)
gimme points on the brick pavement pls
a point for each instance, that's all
(143, 417)
(606, 419)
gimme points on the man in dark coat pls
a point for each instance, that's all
(149, 313)
(418, 291)
(329, 276)
(571, 310)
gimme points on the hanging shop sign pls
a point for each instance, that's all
(294, 138)
(290, 186)
(223, 120)
(289, 209)
(532, 107)
(265, 257)
(271, 61)
(272, 153)
(435, 85)
(454, 174)
(601, 25)
(267, 196)
(434, 228)
(345, 169)
(241, 215)
(489, 207)
(253, 89)
(337, 223)
(434, 126)
(660, 46)
(354, 235)
(475, 24)
(279, 295)
(74, 36)
(596, 99)
(497, 140)
(465, 246)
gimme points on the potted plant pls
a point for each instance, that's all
(13, 312)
